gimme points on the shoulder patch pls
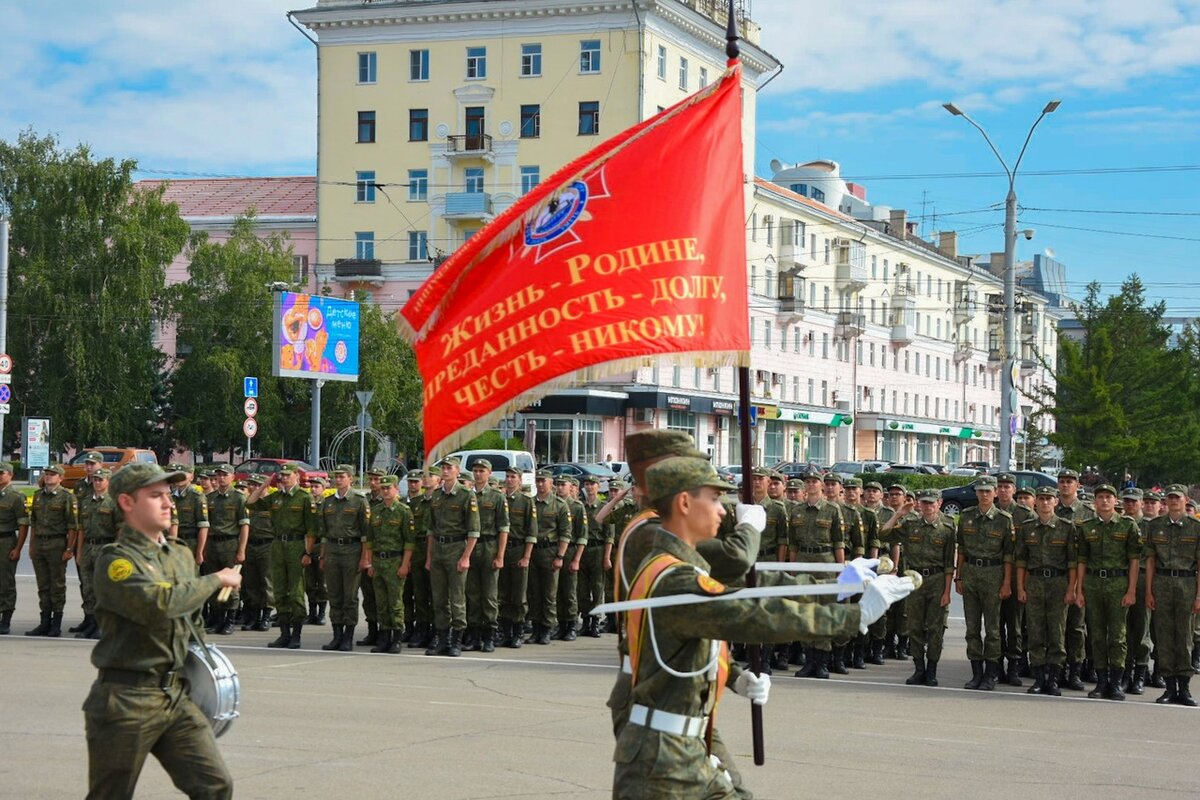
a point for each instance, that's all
(120, 569)
(709, 585)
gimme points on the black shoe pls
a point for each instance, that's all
(225, 626)
(294, 638)
(991, 676)
(1101, 690)
(902, 648)
(422, 633)
(837, 664)
(284, 639)
(1168, 696)
(778, 658)
(321, 609)
(1050, 687)
(406, 637)
(858, 660)
(454, 643)
(876, 654)
(931, 673)
(1156, 678)
(1011, 677)
(394, 647)
(383, 640)
(249, 619)
(516, 636)
(919, 670)
(1088, 673)
(889, 651)
(55, 625)
(435, 642)
(489, 640)
(85, 629)
(1114, 685)
(263, 624)
(1073, 682)
(810, 664)
(1137, 684)
(470, 639)
(976, 676)
(43, 627)
(371, 637)
(1183, 691)
(347, 641)
(1039, 680)
(1025, 671)
(569, 634)
(336, 640)
(541, 634)
(83, 623)
(5, 623)
(312, 614)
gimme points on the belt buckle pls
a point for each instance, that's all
(1047, 573)
(1103, 573)
(165, 681)
(979, 562)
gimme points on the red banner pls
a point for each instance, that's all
(635, 249)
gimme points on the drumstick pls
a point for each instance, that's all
(223, 595)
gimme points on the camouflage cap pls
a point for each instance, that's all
(1176, 489)
(1024, 490)
(544, 474)
(590, 479)
(1153, 495)
(513, 471)
(449, 461)
(831, 477)
(221, 469)
(131, 477)
(6, 466)
(897, 487)
(617, 484)
(571, 479)
(93, 456)
(795, 483)
(55, 469)
(873, 485)
(188, 468)
(344, 469)
(647, 445)
(853, 483)
(389, 480)
(414, 475)
(103, 474)
(481, 462)
(985, 482)
(761, 472)
(929, 495)
(681, 474)
(289, 469)
(1046, 491)
(1131, 493)
(910, 494)
(776, 475)
(256, 478)
(376, 472)
(1105, 487)
(1005, 477)
(319, 480)
(1068, 474)
(812, 475)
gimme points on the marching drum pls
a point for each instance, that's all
(213, 685)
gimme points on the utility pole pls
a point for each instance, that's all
(3, 304)
(1009, 398)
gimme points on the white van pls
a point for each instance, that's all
(501, 460)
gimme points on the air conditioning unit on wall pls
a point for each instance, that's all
(646, 415)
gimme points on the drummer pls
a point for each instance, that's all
(147, 590)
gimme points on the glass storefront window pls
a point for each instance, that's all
(818, 446)
(924, 449)
(682, 421)
(566, 439)
(891, 446)
(773, 448)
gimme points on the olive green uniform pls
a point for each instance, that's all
(227, 513)
(775, 534)
(294, 520)
(928, 549)
(483, 580)
(13, 517)
(393, 534)
(344, 527)
(1012, 612)
(1175, 549)
(147, 601)
(453, 519)
(1138, 623)
(1047, 553)
(1107, 552)
(256, 570)
(366, 586)
(514, 579)
(1077, 513)
(816, 532)
(191, 506)
(553, 534)
(422, 591)
(591, 565)
(98, 521)
(53, 516)
(568, 581)
(986, 542)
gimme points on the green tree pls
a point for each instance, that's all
(88, 258)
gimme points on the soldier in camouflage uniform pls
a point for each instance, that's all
(393, 537)
(314, 579)
(597, 558)
(191, 510)
(816, 533)
(1045, 559)
(256, 572)
(413, 481)
(452, 534)
(553, 539)
(1077, 511)
(294, 525)
(419, 577)
(54, 522)
(870, 509)
(986, 541)
(514, 577)
(228, 534)
(97, 524)
(1173, 592)
(896, 644)
(856, 547)
(1012, 611)
(14, 527)
(483, 578)
(566, 487)
(868, 524)
(1137, 664)
(344, 528)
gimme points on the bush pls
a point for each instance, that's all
(917, 482)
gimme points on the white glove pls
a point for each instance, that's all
(752, 515)
(755, 688)
(879, 594)
(858, 571)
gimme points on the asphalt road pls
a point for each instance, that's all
(532, 723)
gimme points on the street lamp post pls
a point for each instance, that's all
(1008, 389)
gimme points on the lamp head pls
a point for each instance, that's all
(953, 109)
(1052, 106)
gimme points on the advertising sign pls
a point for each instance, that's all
(315, 337)
(35, 442)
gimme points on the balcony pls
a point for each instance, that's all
(468, 206)
(475, 145)
(903, 334)
(849, 325)
(791, 309)
(963, 352)
(850, 276)
(791, 258)
(995, 358)
(357, 269)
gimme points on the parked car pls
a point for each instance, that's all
(114, 459)
(938, 469)
(957, 498)
(271, 466)
(977, 464)
(912, 469)
(734, 471)
(967, 471)
(848, 469)
(796, 469)
(578, 470)
(618, 467)
(500, 461)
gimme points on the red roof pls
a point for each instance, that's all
(788, 193)
(229, 197)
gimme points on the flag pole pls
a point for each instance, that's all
(756, 655)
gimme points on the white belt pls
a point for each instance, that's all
(666, 722)
(626, 665)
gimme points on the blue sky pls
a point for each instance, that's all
(227, 87)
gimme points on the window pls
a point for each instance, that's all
(366, 67)
(767, 333)
(818, 195)
(703, 77)
(675, 376)
(530, 177)
(800, 189)
(589, 56)
(531, 121)
(874, 268)
(589, 118)
(366, 126)
(796, 344)
(754, 227)
(476, 63)
(418, 124)
(770, 232)
(418, 245)
(300, 273)
(811, 391)
(827, 252)
(531, 60)
(824, 393)
(364, 183)
(364, 245)
(662, 63)
(683, 73)
(418, 184)
(474, 180)
(824, 345)
(476, 125)
(681, 421)
(418, 65)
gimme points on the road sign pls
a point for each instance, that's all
(5, 377)
(364, 398)
(250, 407)
(6, 394)
(250, 387)
(6, 363)
(364, 420)
(1014, 422)
(5, 408)
(250, 427)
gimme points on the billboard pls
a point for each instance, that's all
(35, 442)
(315, 337)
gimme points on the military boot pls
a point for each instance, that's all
(1012, 676)
(931, 673)
(1126, 677)
(395, 645)
(1088, 673)
(421, 635)
(1137, 685)
(5, 623)
(1183, 691)
(919, 669)
(1025, 670)
(1073, 682)
(43, 627)
(1101, 690)
(225, 626)
(1156, 678)
(1050, 686)
(541, 634)
(1039, 681)
(594, 621)
(383, 640)
(876, 655)
(858, 658)
(249, 618)
(889, 648)
(284, 639)
(294, 638)
(454, 645)
(55, 625)
(1114, 685)
(312, 614)
(84, 629)
(902, 648)
(407, 634)
(470, 638)
(336, 640)
(976, 675)
(83, 623)
(837, 664)
(372, 635)
(569, 634)
(822, 668)
(264, 621)
(1169, 695)
(489, 640)
(346, 644)
(516, 635)
(779, 659)
(435, 642)
(991, 676)
(321, 609)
